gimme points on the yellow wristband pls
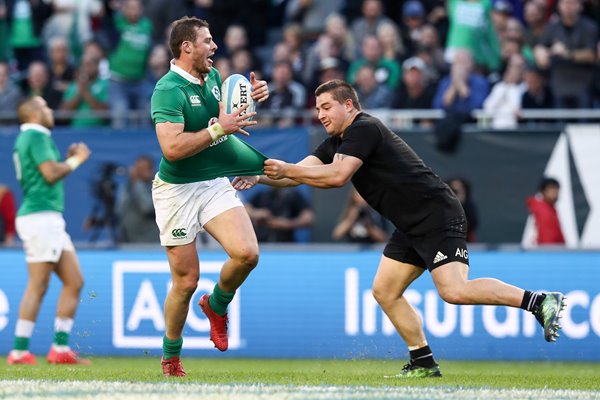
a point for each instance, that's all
(216, 131)
(73, 162)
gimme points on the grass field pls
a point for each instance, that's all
(140, 378)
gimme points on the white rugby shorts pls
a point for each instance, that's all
(44, 236)
(183, 209)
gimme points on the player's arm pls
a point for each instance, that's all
(336, 174)
(246, 182)
(177, 144)
(53, 171)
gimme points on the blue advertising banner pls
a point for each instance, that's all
(313, 304)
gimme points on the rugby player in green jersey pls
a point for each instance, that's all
(41, 227)
(191, 191)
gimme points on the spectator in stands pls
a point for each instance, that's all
(62, 72)
(161, 13)
(430, 51)
(134, 206)
(158, 65)
(8, 213)
(311, 15)
(359, 223)
(371, 93)
(242, 62)
(279, 53)
(502, 11)
(128, 61)
(392, 47)
(462, 189)
(223, 65)
(541, 207)
(536, 22)
(567, 49)
(25, 20)
(372, 17)
(87, 96)
(236, 38)
(278, 212)
(10, 93)
(413, 18)
(471, 28)
(415, 91)
(537, 93)
(386, 71)
(336, 42)
(463, 90)
(286, 97)
(72, 19)
(292, 37)
(504, 101)
(38, 84)
(96, 50)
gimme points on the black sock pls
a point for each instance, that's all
(532, 301)
(422, 357)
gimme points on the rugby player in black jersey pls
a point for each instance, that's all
(430, 223)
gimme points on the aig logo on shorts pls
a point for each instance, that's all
(195, 100)
(139, 291)
(179, 233)
(463, 253)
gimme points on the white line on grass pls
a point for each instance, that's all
(100, 390)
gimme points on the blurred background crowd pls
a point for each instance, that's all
(98, 60)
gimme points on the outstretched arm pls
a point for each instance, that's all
(246, 182)
(336, 174)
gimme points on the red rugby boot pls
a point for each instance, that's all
(218, 324)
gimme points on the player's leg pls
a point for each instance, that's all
(37, 285)
(454, 287)
(69, 272)
(233, 230)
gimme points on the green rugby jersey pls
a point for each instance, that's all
(179, 98)
(33, 147)
(129, 59)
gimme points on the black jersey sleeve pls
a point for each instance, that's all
(325, 151)
(360, 140)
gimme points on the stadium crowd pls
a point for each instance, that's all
(98, 60)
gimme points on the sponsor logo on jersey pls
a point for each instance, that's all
(439, 257)
(462, 253)
(195, 100)
(217, 93)
(179, 233)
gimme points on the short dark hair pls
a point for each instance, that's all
(184, 29)
(547, 181)
(340, 91)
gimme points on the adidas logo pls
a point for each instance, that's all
(439, 257)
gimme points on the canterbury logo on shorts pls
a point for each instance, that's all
(178, 233)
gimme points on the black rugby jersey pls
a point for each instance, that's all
(393, 179)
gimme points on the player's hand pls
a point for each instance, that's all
(82, 152)
(235, 122)
(276, 169)
(71, 150)
(244, 182)
(260, 89)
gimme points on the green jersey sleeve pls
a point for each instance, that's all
(167, 106)
(41, 148)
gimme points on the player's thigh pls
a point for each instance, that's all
(234, 231)
(68, 269)
(393, 277)
(39, 274)
(183, 261)
(450, 277)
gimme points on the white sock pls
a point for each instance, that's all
(24, 328)
(63, 324)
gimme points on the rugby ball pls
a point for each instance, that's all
(235, 92)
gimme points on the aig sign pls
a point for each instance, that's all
(139, 290)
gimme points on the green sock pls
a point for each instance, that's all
(21, 343)
(172, 348)
(219, 300)
(61, 338)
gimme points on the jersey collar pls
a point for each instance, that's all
(184, 74)
(35, 127)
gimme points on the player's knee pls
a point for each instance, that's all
(186, 285)
(453, 296)
(381, 295)
(247, 257)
